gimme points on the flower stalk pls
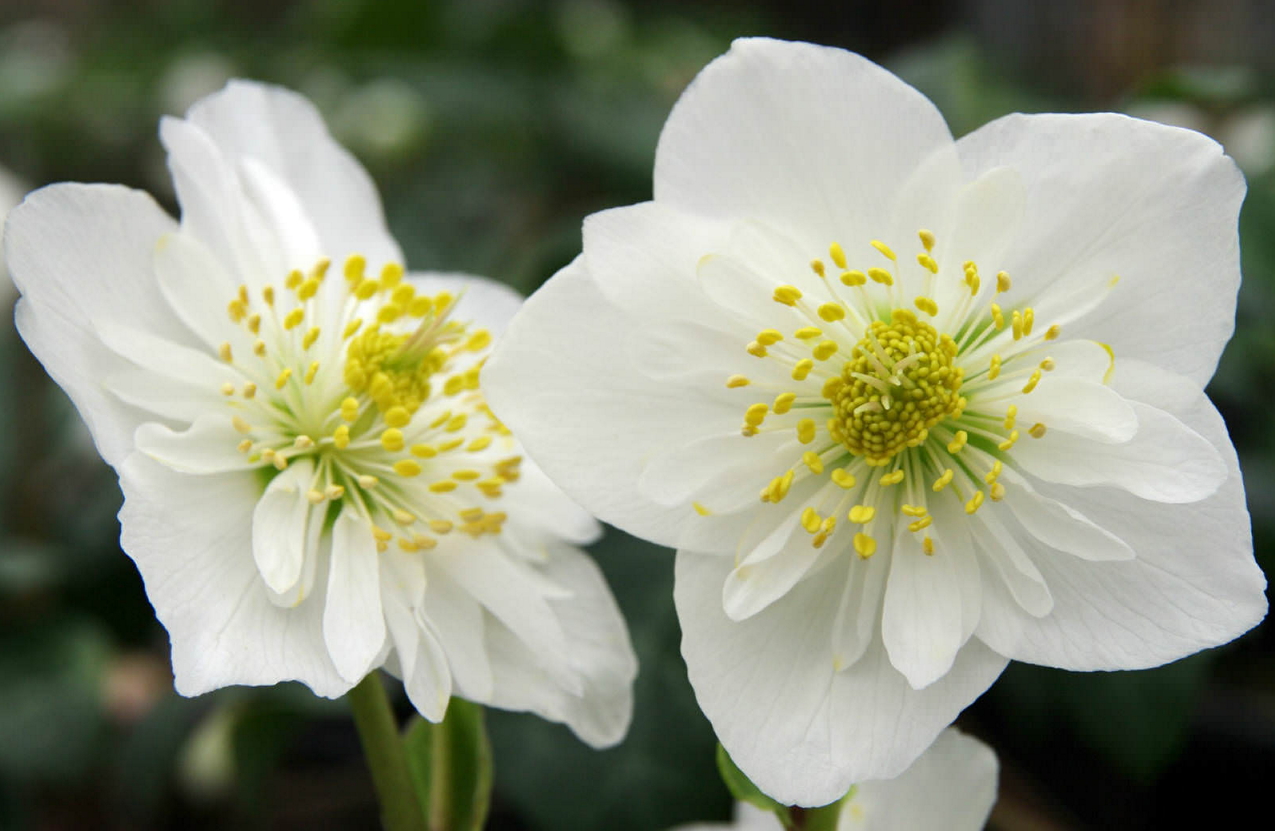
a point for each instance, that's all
(386, 759)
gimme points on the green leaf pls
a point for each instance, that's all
(743, 789)
(451, 767)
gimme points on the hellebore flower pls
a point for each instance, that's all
(314, 485)
(951, 787)
(908, 407)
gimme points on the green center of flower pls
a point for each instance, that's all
(898, 383)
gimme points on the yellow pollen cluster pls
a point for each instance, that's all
(899, 382)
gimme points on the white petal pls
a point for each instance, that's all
(484, 303)
(191, 538)
(952, 787)
(161, 396)
(353, 623)
(1061, 526)
(207, 446)
(710, 465)
(802, 137)
(800, 730)
(79, 254)
(551, 514)
(279, 527)
(752, 586)
(500, 584)
(645, 257)
(859, 612)
(1166, 225)
(601, 655)
(198, 288)
(1081, 408)
(927, 618)
(171, 361)
(1012, 564)
(1165, 462)
(591, 420)
(430, 685)
(282, 131)
(1193, 584)
(459, 623)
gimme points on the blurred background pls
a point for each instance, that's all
(493, 127)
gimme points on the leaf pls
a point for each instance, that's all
(743, 789)
(451, 767)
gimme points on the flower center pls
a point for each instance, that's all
(898, 383)
(893, 413)
(387, 416)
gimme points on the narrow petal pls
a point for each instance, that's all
(429, 686)
(1082, 408)
(751, 587)
(798, 136)
(207, 446)
(798, 728)
(279, 527)
(1060, 526)
(922, 621)
(353, 622)
(1165, 462)
(601, 655)
(859, 613)
(1112, 196)
(191, 538)
(460, 625)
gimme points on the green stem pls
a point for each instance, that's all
(440, 786)
(383, 749)
(815, 819)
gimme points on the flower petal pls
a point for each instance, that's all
(1081, 408)
(752, 586)
(207, 446)
(1165, 462)
(353, 620)
(282, 131)
(1193, 584)
(931, 602)
(191, 538)
(587, 437)
(952, 787)
(601, 657)
(460, 625)
(802, 731)
(1112, 196)
(279, 527)
(806, 138)
(81, 254)
(1061, 526)
(483, 303)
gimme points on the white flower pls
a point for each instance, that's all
(313, 483)
(907, 407)
(951, 787)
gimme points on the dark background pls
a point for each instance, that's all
(493, 127)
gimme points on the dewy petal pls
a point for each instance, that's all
(191, 538)
(1165, 462)
(1193, 583)
(282, 131)
(353, 621)
(596, 436)
(802, 731)
(82, 254)
(279, 527)
(1114, 196)
(951, 787)
(807, 138)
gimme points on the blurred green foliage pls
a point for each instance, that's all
(493, 127)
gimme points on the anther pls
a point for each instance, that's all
(893, 478)
(249, 390)
(854, 278)
(240, 425)
(756, 414)
(1032, 382)
(282, 381)
(838, 255)
(825, 350)
(736, 381)
(998, 317)
(955, 445)
(225, 353)
(927, 545)
(392, 440)
(843, 479)
(1053, 332)
(1009, 442)
(927, 240)
(862, 514)
(974, 503)
(865, 546)
(880, 275)
(227, 388)
(927, 262)
(310, 337)
(407, 467)
(884, 249)
(921, 524)
(334, 491)
(303, 442)
(818, 268)
(927, 305)
(293, 318)
(810, 520)
(832, 312)
(806, 431)
(802, 368)
(1037, 430)
(1003, 282)
(788, 295)
(995, 368)
(1011, 413)
(944, 480)
(812, 461)
(783, 402)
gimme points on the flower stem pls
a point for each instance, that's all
(815, 819)
(383, 749)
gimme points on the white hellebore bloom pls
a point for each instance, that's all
(951, 787)
(314, 486)
(908, 407)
